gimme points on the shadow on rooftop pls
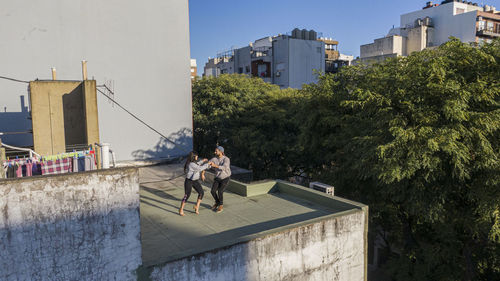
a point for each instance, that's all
(165, 195)
(194, 235)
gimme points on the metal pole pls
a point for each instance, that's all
(2, 159)
(84, 70)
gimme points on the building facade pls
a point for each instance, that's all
(433, 26)
(127, 45)
(297, 61)
(194, 70)
(285, 60)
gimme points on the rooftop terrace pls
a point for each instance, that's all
(250, 211)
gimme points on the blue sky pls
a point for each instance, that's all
(216, 25)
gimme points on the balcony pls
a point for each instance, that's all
(486, 32)
(260, 52)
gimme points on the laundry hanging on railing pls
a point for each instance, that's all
(77, 161)
(18, 168)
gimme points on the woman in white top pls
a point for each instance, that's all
(194, 171)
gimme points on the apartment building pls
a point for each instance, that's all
(334, 60)
(289, 60)
(434, 25)
(194, 70)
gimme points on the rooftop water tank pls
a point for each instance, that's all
(304, 34)
(313, 35)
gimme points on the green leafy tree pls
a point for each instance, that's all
(417, 139)
(255, 122)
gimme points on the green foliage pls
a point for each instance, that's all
(253, 120)
(417, 139)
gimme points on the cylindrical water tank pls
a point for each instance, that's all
(313, 35)
(304, 34)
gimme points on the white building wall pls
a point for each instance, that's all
(383, 46)
(280, 63)
(242, 60)
(263, 42)
(446, 22)
(305, 58)
(79, 226)
(142, 46)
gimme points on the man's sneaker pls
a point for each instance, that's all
(214, 207)
(219, 209)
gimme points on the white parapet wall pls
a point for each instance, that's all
(329, 249)
(80, 226)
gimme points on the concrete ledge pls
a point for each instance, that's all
(247, 189)
(269, 186)
(70, 175)
(319, 197)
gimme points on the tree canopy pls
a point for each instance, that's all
(416, 138)
(253, 120)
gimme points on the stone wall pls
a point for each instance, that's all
(82, 226)
(331, 249)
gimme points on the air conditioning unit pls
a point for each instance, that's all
(328, 189)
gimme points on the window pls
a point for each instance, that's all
(481, 25)
(489, 26)
(192, 70)
(240, 70)
(262, 70)
(247, 69)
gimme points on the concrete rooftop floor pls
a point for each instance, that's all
(166, 236)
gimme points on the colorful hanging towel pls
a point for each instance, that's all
(59, 166)
(19, 171)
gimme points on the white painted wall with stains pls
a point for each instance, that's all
(326, 250)
(82, 226)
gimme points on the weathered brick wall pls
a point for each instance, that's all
(332, 249)
(81, 226)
